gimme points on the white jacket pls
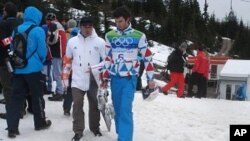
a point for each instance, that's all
(85, 53)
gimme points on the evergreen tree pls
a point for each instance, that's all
(241, 45)
(205, 13)
(179, 20)
(63, 7)
(76, 4)
(147, 6)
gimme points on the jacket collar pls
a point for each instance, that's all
(126, 31)
(93, 35)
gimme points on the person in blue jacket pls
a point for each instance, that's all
(27, 79)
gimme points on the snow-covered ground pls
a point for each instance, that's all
(165, 118)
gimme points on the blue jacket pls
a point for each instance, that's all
(36, 41)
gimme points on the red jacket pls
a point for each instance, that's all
(57, 44)
(201, 64)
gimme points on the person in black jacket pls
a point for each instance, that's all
(176, 64)
(7, 25)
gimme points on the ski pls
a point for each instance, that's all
(150, 94)
(105, 108)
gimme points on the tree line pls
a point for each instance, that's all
(171, 21)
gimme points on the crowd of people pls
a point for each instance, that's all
(70, 57)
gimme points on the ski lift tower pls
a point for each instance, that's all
(231, 15)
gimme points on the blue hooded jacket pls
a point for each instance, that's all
(35, 41)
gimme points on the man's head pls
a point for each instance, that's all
(198, 46)
(71, 23)
(122, 17)
(86, 25)
(9, 10)
(50, 17)
(183, 46)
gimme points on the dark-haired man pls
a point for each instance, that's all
(123, 45)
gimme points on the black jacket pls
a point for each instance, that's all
(6, 28)
(176, 61)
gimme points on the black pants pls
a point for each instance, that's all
(28, 103)
(6, 84)
(22, 85)
(1, 88)
(67, 103)
(201, 82)
(139, 82)
(202, 86)
(192, 81)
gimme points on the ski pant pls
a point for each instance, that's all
(22, 85)
(193, 81)
(176, 78)
(28, 103)
(123, 89)
(78, 113)
(50, 76)
(201, 82)
(67, 102)
(6, 84)
(202, 86)
(57, 71)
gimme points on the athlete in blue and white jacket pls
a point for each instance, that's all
(123, 46)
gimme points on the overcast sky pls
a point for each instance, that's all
(221, 8)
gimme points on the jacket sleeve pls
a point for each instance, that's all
(63, 42)
(147, 57)
(107, 59)
(102, 49)
(67, 63)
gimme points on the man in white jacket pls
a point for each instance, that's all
(83, 52)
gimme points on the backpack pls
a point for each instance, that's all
(19, 47)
